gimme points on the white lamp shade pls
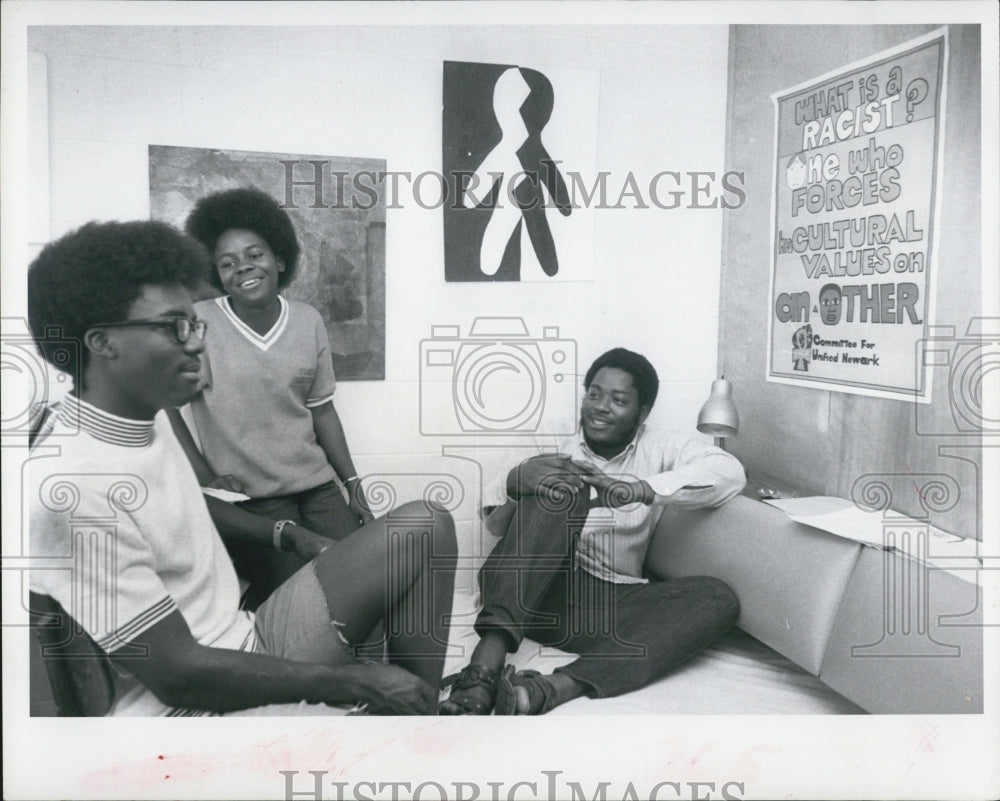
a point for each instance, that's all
(718, 417)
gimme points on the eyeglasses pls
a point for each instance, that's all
(182, 327)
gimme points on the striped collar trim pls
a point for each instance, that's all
(265, 341)
(105, 426)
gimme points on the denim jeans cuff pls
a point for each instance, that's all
(487, 622)
(591, 690)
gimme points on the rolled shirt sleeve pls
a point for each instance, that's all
(700, 475)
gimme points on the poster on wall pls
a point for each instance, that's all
(338, 210)
(856, 188)
(517, 142)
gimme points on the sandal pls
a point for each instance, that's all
(473, 691)
(541, 694)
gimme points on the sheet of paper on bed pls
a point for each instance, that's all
(835, 515)
(843, 518)
(225, 495)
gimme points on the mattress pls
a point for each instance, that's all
(737, 675)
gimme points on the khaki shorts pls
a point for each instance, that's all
(294, 623)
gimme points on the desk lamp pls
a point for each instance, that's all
(718, 416)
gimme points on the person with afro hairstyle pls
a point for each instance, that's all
(265, 417)
(575, 527)
(148, 575)
(58, 294)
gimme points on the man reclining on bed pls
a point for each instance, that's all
(114, 298)
(575, 527)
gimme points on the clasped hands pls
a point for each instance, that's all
(555, 476)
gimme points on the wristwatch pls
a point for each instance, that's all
(276, 533)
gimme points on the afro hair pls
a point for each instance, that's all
(94, 274)
(251, 210)
(644, 378)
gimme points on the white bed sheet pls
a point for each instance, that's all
(738, 675)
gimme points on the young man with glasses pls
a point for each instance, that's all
(150, 574)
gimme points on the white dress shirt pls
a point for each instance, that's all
(681, 469)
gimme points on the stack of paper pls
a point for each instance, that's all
(886, 529)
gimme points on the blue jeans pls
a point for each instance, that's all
(321, 509)
(626, 635)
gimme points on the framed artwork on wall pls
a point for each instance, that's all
(338, 211)
(518, 151)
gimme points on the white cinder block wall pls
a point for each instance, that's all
(376, 92)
